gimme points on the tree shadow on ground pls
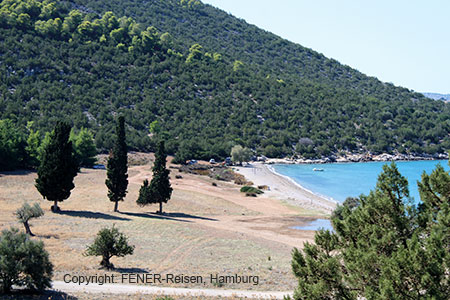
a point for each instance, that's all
(131, 270)
(152, 216)
(16, 173)
(168, 216)
(91, 215)
(186, 216)
(48, 236)
(48, 294)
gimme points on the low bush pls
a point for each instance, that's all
(251, 190)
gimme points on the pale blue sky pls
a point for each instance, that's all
(406, 42)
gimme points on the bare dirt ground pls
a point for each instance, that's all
(205, 230)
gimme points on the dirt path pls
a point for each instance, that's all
(273, 220)
(146, 290)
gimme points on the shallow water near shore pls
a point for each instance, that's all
(315, 225)
(341, 180)
(338, 181)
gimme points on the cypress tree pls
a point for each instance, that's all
(117, 166)
(58, 166)
(144, 196)
(159, 190)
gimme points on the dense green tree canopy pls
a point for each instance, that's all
(209, 93)
(84, 146)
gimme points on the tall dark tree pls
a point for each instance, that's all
(117, 167)
(159, 190)
(58, 166)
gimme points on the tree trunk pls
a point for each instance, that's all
(116, 206)
(27, 228)
(105, 263)
(55, 207)
(160, 208)
(5, 286)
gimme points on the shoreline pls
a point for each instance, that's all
(285, 189)
(354, 158)
(300, 186)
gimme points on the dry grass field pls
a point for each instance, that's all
(205, 230)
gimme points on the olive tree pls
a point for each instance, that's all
(23, 262)
(27, 212)
(240, 154)
(108, 243)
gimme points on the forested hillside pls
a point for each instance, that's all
(191, 21)
(207, 89)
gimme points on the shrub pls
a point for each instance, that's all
(23, 262)
(240, 179)
(251, 190)
(263, 187)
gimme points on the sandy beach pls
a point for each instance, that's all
(283, 188)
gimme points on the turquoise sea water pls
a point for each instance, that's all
(316, 224)
(341, 180)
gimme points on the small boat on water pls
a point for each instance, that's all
(318, 170)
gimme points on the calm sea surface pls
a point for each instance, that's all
(341, 180)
